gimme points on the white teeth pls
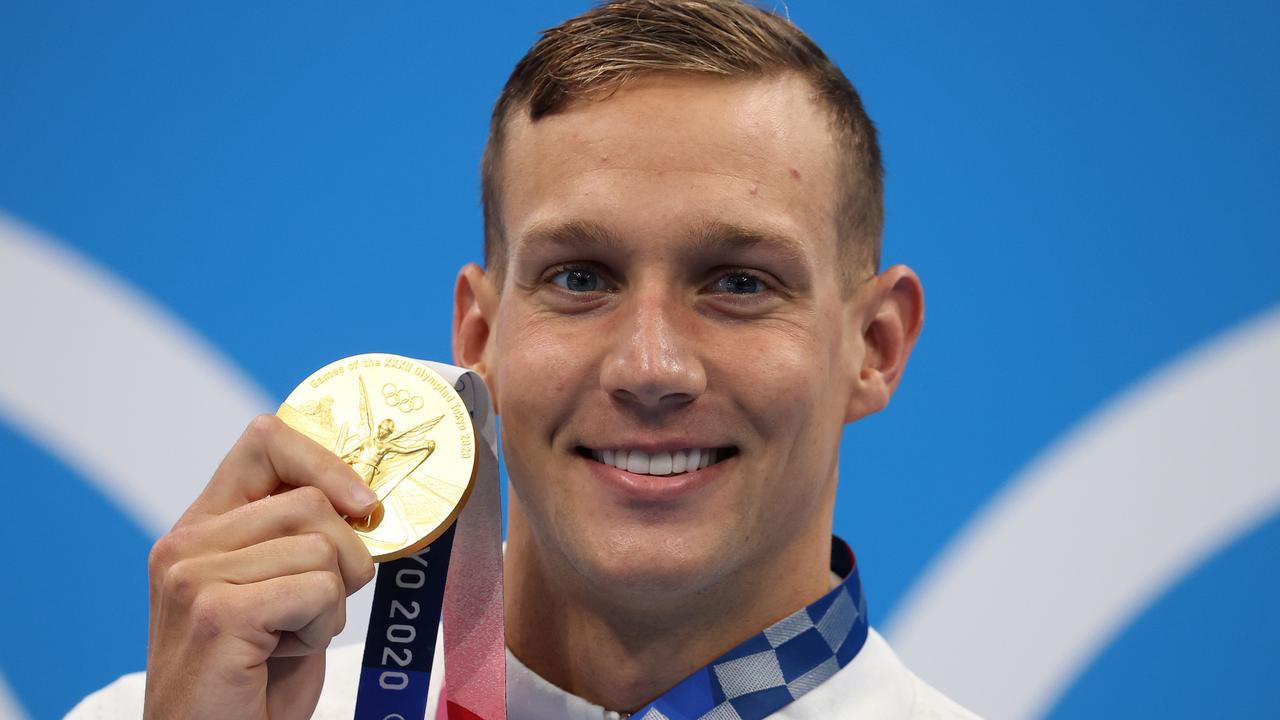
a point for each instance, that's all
(659, 463)
(679, 461)
(695, 456)
(638, 462)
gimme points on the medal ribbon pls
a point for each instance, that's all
(779, 665)
(411, 594)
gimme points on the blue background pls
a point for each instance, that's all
(1087, 190)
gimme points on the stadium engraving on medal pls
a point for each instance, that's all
(405, 431)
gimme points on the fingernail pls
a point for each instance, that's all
(362, 495)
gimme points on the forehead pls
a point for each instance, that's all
(667, 152)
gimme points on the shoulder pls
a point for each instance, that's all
(124, 697)
(933, 705)
(875, 684)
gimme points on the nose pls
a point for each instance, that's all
(652, 364)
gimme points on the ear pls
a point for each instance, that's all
(888, 315)
(475, 305)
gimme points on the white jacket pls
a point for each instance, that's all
(874, 686)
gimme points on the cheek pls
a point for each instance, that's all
(790, 391)
(799, 423)
(787, 373)
(543, 373)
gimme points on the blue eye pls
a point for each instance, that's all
(579, 280)
(739, 283)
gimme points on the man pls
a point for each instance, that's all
(680, 310)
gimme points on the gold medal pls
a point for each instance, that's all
(404, 429)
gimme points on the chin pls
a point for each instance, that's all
(642, 561)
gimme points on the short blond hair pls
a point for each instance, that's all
(595, 53)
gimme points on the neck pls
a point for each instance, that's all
(622, 656)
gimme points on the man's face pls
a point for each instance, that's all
(672, 288)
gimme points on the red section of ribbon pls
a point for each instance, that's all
(475, 649)
(457, 712)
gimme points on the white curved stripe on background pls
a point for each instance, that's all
(1104, 523)
(10, 708)
(112, 384)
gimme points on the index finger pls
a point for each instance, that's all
(271, 453)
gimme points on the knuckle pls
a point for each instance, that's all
(366, 570)
(340, 619)
(333, 587)
(321, 548)
(163, 554)
(312, 500)
(181, 582)
(171, 548)
(208, 615)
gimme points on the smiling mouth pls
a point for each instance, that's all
(676, 462)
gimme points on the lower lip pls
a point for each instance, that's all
(656, 488)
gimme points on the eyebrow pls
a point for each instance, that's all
(717, 236)
(706, 238)
(571, 233)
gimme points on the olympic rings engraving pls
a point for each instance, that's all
(401, 399)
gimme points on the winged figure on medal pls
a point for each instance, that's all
(382, 456)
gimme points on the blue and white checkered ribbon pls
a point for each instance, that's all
(780, 664)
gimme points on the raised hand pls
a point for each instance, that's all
(250, 585)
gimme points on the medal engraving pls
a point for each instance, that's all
(405, 431)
